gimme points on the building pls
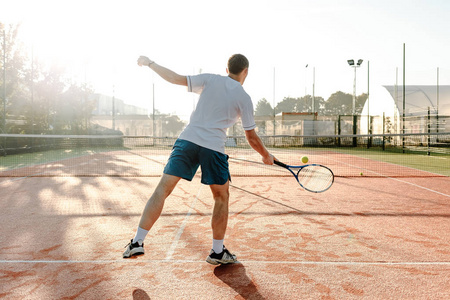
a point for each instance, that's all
(128, 119)
(104, 106)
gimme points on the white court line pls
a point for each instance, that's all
(422, 187)
(183, 225)
(325, 263)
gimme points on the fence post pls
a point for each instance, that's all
(384, 130)
(369, 131)
(339, 130)
(429, 130)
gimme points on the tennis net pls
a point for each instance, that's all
(393, 155)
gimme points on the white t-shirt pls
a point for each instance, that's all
(222, 102)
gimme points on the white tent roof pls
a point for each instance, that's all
(388, 99)
(418, 98)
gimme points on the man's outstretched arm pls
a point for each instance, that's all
(256, 143)
(165, 73)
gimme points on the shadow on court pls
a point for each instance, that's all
(235, 276)
(353, 241)
(139, 294)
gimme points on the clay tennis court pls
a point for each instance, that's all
(63, 232)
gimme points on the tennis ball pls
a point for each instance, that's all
(305, 159)
(361, 173)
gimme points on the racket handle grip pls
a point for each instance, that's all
(280, 163)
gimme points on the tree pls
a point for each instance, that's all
(339, 103)
(37, 96)
(263, 108)
(319, 105)
(359, 103)
(301, 105)
(287, 105)
(47, 94)
(74, 109)
(171, 125)
(11, 51)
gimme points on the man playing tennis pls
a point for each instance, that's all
(221, 103)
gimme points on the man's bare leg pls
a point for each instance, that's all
(151, 213)
(219, 219)
(219, 222)
(155, 204)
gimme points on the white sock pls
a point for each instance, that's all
(140, 235)
(217, 246)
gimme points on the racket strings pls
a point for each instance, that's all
(315, 178)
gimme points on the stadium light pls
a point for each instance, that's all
(351, 63)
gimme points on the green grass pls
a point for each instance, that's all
(435, 162)
(15, 161)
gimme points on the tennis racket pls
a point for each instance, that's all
(313, 177)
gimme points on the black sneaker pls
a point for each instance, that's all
(134, 249)
(224, 257)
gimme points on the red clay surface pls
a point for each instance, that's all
(365, 238)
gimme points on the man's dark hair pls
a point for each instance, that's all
(237, 63)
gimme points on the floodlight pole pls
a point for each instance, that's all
(153, 116)
(313, 91)
(368, 95)
(274, 113)
(4, 81)
(352, 64)
(113, 110)
(404, 97)
(437, 101)
(354, 93)
(32, 89)
(306, 75)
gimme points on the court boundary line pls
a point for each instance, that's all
(290, 262)
(419, 186)
(180, 231)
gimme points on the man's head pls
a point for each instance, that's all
(238, 66)
(237, 63)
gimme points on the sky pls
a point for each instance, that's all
(100, 41)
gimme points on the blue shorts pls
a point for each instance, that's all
(186, 157)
